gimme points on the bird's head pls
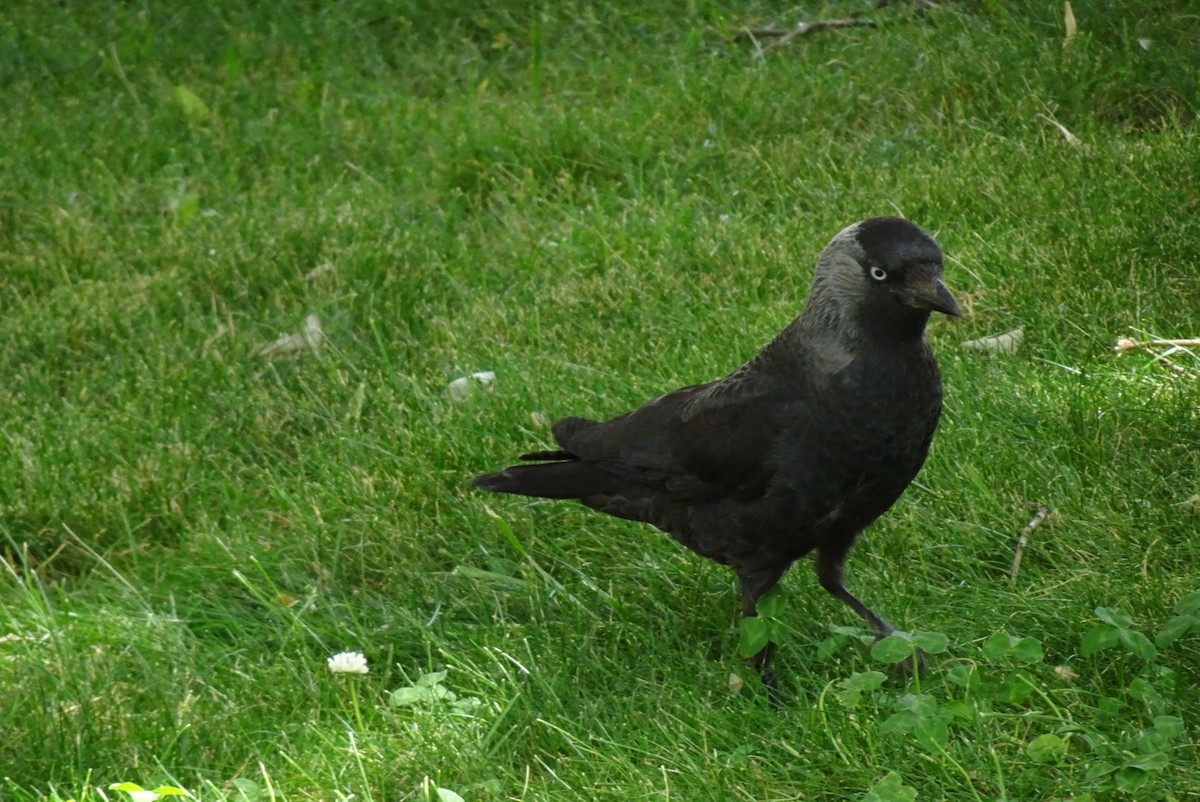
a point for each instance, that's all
(882, 276)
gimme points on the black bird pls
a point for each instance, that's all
(797, 450)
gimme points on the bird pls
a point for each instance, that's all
(794, 452)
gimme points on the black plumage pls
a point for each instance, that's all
(797, 450)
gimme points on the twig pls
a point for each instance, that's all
(1125, 344)
(803, 28)
(784, 36)
(1166, 363)
(921, 6)
(1023, 540)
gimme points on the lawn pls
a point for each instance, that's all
(246, 249)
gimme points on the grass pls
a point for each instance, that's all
(599, 203)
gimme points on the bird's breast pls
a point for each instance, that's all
(872, 433)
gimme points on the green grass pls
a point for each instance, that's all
(599, 203)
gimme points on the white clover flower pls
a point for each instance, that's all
(348, 663)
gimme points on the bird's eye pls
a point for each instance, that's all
(878, 273)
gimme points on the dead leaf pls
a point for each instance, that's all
(1005, 343)
(313, 335)
(460, 388)
(1066, 672)
(324, 269)
(1068, 23)
(1072, 140)
(310, 338)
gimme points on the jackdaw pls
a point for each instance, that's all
(797, 450)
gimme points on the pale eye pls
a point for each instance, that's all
(879, 274)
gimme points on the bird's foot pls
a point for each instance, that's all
(771, 683)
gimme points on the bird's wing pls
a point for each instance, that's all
(705, 441)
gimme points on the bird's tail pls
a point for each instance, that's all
(564, 477)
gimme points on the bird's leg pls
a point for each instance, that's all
(830, 573)
(753, 587)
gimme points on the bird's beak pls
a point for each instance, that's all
(932, 294)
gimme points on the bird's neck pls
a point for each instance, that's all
(895, 323)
